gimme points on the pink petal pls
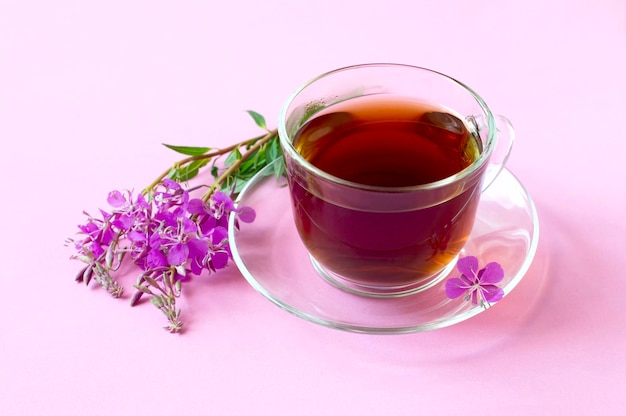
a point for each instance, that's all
(124, 222)
(455, 287)
(137, 236)
(155, 259)
(96, 249)
(116, 199)
(198, 249)
(219, 260)
(155, 241)
(189, 226)
(170, 184)
(474, 297)
(468, 266)
(195, 206)
(196, 266)
(141, 202)
(177, 254)
(492, 293)
(207, 224)
(246, 214)
(219, 235)
(88, 228)
(221, 198)
(107, 236)
(105, 215)
(492, 273)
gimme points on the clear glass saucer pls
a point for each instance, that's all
(270, 255)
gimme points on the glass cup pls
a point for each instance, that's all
(391, 233)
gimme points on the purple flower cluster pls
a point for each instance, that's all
(168, 235)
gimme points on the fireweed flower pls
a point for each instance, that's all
(167, 234)
(478, 286)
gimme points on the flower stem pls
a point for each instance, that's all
(210, 155)
(259, 142)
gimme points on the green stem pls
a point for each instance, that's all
(233, 168)
(210, 155)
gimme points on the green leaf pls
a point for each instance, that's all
(232, 157)
(186, 174)
(273, 150)
(253, 161)
(190, 170)
(258, 119)
(279, 168)
(188, 150)
(240, 185)
(171, 174)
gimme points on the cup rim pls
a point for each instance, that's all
(288, 147)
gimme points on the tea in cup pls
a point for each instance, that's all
(386, 164)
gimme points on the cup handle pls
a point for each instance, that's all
(505, 136)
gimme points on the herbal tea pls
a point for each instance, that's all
(385, 143)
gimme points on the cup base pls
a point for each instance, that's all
(381, 291)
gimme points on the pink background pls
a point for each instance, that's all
(89, 90)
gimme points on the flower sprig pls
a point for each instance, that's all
(168, 234)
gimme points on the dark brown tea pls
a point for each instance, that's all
(386, 143)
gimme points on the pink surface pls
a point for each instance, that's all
(89, 90)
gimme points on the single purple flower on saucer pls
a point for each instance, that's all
(479, 286)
